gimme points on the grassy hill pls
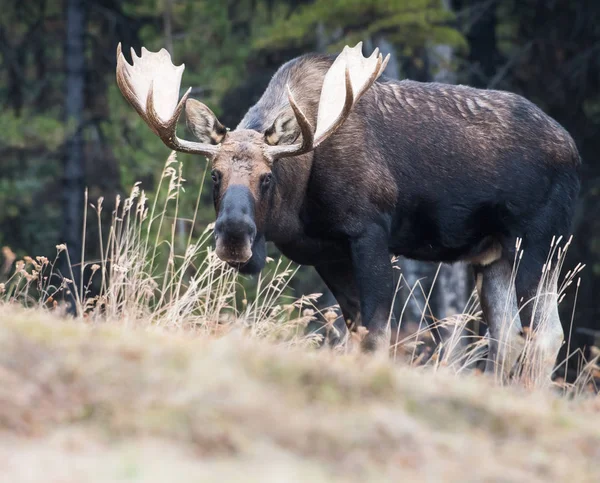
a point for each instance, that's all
(129, 402)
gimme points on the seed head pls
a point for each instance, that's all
(330, 316)
(8, 255)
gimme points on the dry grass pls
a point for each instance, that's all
(113, 402)
(167, 373)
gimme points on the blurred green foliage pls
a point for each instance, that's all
(410, 24)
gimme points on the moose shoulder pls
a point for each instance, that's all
(429, 171)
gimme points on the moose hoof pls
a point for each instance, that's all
(376, 342)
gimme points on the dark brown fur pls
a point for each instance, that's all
(429, 171)
(471, 129)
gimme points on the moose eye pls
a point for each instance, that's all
(265, 181)
(216, 176)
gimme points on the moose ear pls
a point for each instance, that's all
(202, 122)
(284, 130)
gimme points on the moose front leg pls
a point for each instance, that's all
(375, 280)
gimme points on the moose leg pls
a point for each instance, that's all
(339, 278)
(538, 297)
(498, 302)
(375, 281)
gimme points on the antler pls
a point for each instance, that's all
(350, 69)
(151, 85)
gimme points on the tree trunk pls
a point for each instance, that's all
(181, 236)
(74, 164)
(483, 45)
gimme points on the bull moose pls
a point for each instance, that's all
(429, 171)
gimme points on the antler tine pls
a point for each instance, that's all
(166, 131)
(384, 64)
(125, 86)
(137, 84)
(359, 74)
(305, 126)
(374, 75)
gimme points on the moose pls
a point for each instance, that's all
(342, 168)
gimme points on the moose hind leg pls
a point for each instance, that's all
(537, 291)
(498, 302)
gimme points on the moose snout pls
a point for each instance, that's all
(234, 238)
(235, 229)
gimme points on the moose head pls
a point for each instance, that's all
(242, 160)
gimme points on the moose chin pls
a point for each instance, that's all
(340, 167)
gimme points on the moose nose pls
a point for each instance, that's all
(235, 229)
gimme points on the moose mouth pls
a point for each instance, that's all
(236, 253)
(248, 260)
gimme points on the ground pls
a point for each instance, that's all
(126, 402)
